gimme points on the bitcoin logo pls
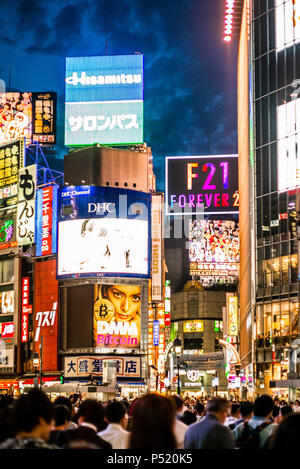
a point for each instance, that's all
(104, 310)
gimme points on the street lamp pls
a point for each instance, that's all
(177, 345)
(36, 364)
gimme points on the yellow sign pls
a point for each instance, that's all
(232, 312)
(193, 326)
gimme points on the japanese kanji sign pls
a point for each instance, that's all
(93, 365)
(26, 309)
(46, 223)
(44, 117)
(11, 160)
(26, 206)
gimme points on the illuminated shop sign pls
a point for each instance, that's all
(7, 330)
(105, 232)
(26, 309)
(202, 184)
(193, 326)
(126, 366)
(104, 100)
(7, 301)
(30, 115)
(155, 333)
(117, 316)
(214, 249)
(232, 314)
(46, 222)
(26, 205)
(11, 160)
(8, 232)
(156, 238)
(287, 23)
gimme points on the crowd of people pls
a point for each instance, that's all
(152, 422)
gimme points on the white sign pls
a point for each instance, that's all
(288, 145)
(193, 375)
(287, 23)
(93, 365)
(6, 358)
(46, 318)
(26, 205)
(156, 229)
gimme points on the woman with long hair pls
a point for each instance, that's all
(152, 426)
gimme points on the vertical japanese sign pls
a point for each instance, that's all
(11, 160)
(26, 205)
(46, 224)
(46, 312)
(26, 309)
(156, 234)
(155, 333)
(232, 314)
(44, 117)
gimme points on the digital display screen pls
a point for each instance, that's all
(117, 316)
(104, 100)
(214, 249)
(287, 23)
(202, 184)
(105, 233)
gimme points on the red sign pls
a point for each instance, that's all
(8, 329)
(167, 320)
(24, 328)
(47, 221)
(45, 314)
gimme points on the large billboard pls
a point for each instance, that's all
(103, 232)
(202, 184)
(104, 100)
(12, 157)
(117, 316)
(46, 220)
(30, 115)
(287, 23)
(214, 249)
(26, 205)
(288, 144)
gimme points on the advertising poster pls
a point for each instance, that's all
(117, 316)
(44, 117)
(214, 249)
(202, 184)
(103, 231)
(15, 116)
(7, 302)
(104, 100)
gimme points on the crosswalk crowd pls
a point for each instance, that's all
(152, 421)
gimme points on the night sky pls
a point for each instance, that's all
(190, 72)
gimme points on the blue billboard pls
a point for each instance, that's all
(46, 220)
(103, 231)
(104, 100)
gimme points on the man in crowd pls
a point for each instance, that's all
(115, 433)
(234, 414)
(62, 417)
(32, 422)
(255, 433)
(90, 421)
(210, 432)
(200, 411)
(180, 427)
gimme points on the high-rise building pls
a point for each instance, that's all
(268, 129)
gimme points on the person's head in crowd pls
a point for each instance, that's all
(62, 417)
(153, 422)
(200, 409)
(246, 410)
(285, 411)
(276, 414)
(263, 406)
(179, 403)
(287, 433)
(33, 415)
(235, 410)
(63, 400)
(276, 401)
(6, 418)
(91, 411)
(219, 407)
(115, 412)
(188, 417)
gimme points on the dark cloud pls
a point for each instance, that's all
(190, 74)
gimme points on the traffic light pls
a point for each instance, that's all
(62, 378)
